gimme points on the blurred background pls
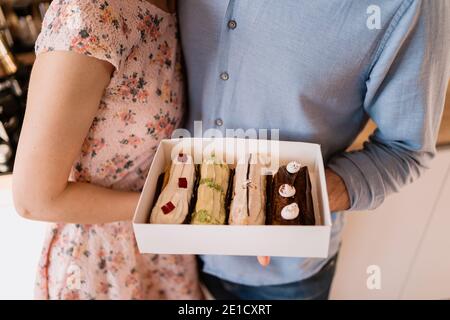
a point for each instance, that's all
(20, 23)
(407, 238)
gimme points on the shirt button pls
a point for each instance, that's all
(232, 24)
(219, 122)
(224, 76)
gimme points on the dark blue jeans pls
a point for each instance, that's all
(316, 287)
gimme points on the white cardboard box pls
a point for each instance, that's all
(268, 240)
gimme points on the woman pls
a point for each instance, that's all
(106, 87)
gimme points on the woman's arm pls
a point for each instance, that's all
(64, 95)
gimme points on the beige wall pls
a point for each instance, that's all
(407, 238)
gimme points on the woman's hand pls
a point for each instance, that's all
(337, 196)
(64, 96)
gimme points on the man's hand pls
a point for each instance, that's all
(263, 260)
(337, 196)
(337, 192)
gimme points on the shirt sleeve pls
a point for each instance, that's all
(87, 27)
(405, 93)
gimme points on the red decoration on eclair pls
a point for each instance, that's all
(168, 207)
(182, 157)
(182, 183)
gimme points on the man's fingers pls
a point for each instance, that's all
(264, 261)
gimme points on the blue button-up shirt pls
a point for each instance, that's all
(317, 70)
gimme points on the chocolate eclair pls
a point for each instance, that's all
(290, 196)
(249, 193)
(172, 206)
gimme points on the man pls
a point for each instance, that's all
(317, 70)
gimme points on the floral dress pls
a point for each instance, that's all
(142, 104)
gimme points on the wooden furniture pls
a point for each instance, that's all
(444, 130)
